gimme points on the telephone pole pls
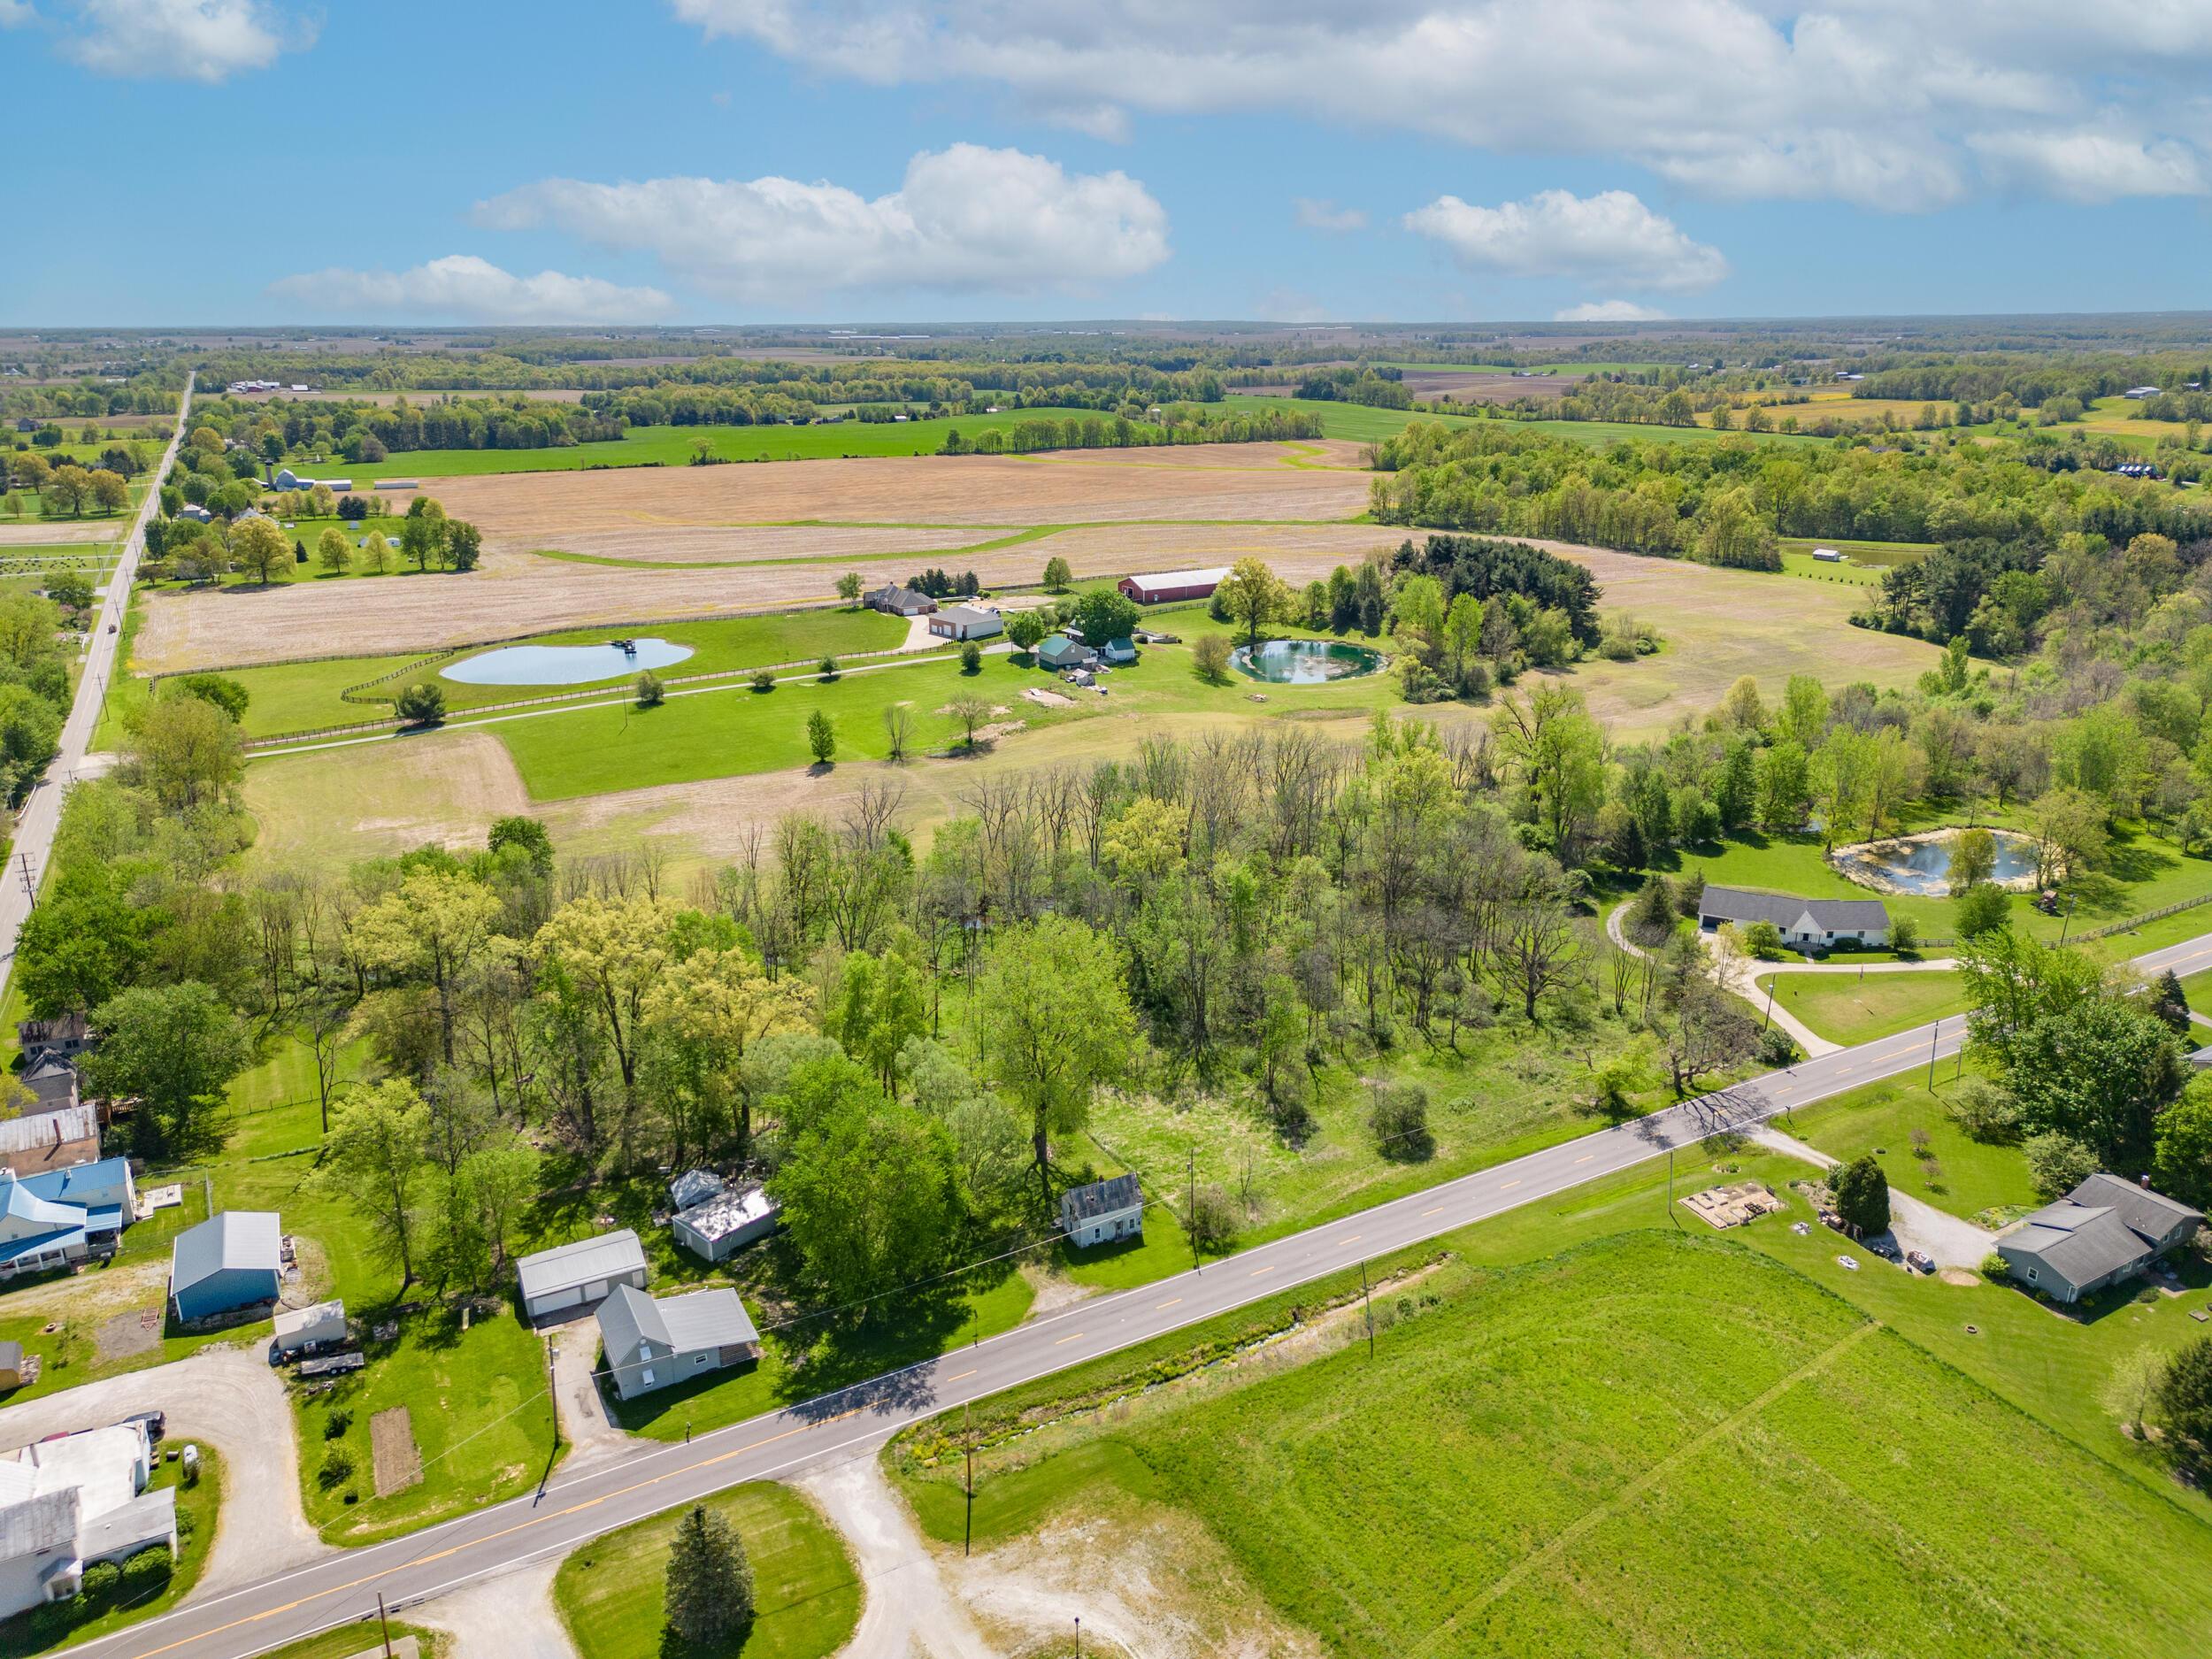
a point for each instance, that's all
(967, 1434)
(384, 1624)
(1934, 1031)
(1195, 1265)
(1368, 1302)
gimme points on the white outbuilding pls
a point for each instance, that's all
(572, 1277)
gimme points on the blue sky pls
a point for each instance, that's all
(764, 160)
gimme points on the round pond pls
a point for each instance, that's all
(1304, 662)
(1922, 864)
(562, 665)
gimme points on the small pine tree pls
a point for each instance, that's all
(2170, 1003)
(1860, 1191)
(709, 1596)
(821, 738)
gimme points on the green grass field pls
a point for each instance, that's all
(806, 1595)
(478, 1409)
(1850, 1009)
(304, 696)
(1657, 1443)
(675, 446)
(361, 1637)
(1359, 423)
(1881, 1120)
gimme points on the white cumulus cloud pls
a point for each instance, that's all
(1608, 312)
(1867, 101)
(1611, 236)
(466, 289)
(2088, 166)
(181, 39)
(964, 220)
(1327, 215)
(15, 13)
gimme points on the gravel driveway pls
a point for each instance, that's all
(584, 1424)
(232, 1399)
(1913, 1223)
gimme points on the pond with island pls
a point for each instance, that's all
(564, 664)
(1304, 662)
(1921, 864)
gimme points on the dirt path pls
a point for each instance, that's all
(232, 1399)
(510, 1617)
(908, 1614)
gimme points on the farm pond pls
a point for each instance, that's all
(1304, 662)
(564, 664)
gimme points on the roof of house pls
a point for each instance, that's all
(899, 593)
(2081, 1243)
(81, 1184)
(46, 1063)
(728, 1211)
(703, 1319)
(39, 1522)
(1057, 648)
(250, 1240)
(149, 1519)
(694, 1186)
(565, 1266)
(971, 617)
(1213, 575)
(1833, 916)
(1101, 1198)
(34, 1131)
(2154, 1215)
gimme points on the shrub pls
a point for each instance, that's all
(1994, 1266)
(1904, 934)
(1763, 940)
(971, 658)
(337, 1423)
(1986, 1112)
(421, 704)
(337, 1468)
(829, 668)
(144, 1574)
(764, 680)
(2056, 1163)
(1209, 657)
(1981, 909)
(1213, 1218)
(101, 1581)
(1776, 1048)
(649, 692)
(1400, 1122)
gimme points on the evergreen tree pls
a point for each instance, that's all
(2169, 1004)
(1861, 1192)
(709, 1598)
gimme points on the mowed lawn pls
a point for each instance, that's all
(1653, 1444)
(675, 446)
(305, 696)
(1848, 1008)
(611, 1593)
(1881, 1120)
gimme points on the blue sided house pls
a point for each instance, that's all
(56, 1218)
(230, 1261)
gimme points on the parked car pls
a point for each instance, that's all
(1920, 1261)
(157, 1422)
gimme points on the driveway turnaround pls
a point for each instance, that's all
(440, 1560)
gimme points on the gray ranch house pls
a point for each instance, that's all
(2104, 1231)
(1801, 922)
(652, 1342)
(1104, 1212)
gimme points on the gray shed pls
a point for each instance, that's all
(651, 1343)
(727, 1222)
(573, 1276)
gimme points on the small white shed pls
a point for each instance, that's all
(298, 1328)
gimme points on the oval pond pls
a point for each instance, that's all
(1305, 662)
(562, 665)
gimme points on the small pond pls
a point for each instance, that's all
(562, 665)
(1925, 867)
(1304, 662)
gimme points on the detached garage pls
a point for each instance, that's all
(573, 1276)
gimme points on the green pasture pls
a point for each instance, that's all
(806, 1595)
(1968, 1178)
(676, 446)
(1360, 424)
(305, 696)
(1851, 1008)
(1559, 1441)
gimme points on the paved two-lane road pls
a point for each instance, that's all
(851, 1423)
(41, 816)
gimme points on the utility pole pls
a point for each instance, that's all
(1195, 1264)
(1368, 1301)
(30, 891)
(1769, 1019)
(1670, 1215)
(552, 1393)
(967, 1530)
(384, 1624)
(1934, 1031)
(2069, 922)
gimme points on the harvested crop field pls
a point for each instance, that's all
(1309, 481)
(516, 594)
(61, 530)
(699, 544)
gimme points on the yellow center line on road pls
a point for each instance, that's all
(1064, 1341)
(1425, 1214)
(962, 1374)
(1354, 1239)
(1585, 1157)
(1169, 1302)
(1508, 1187)
(1258, 1271)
